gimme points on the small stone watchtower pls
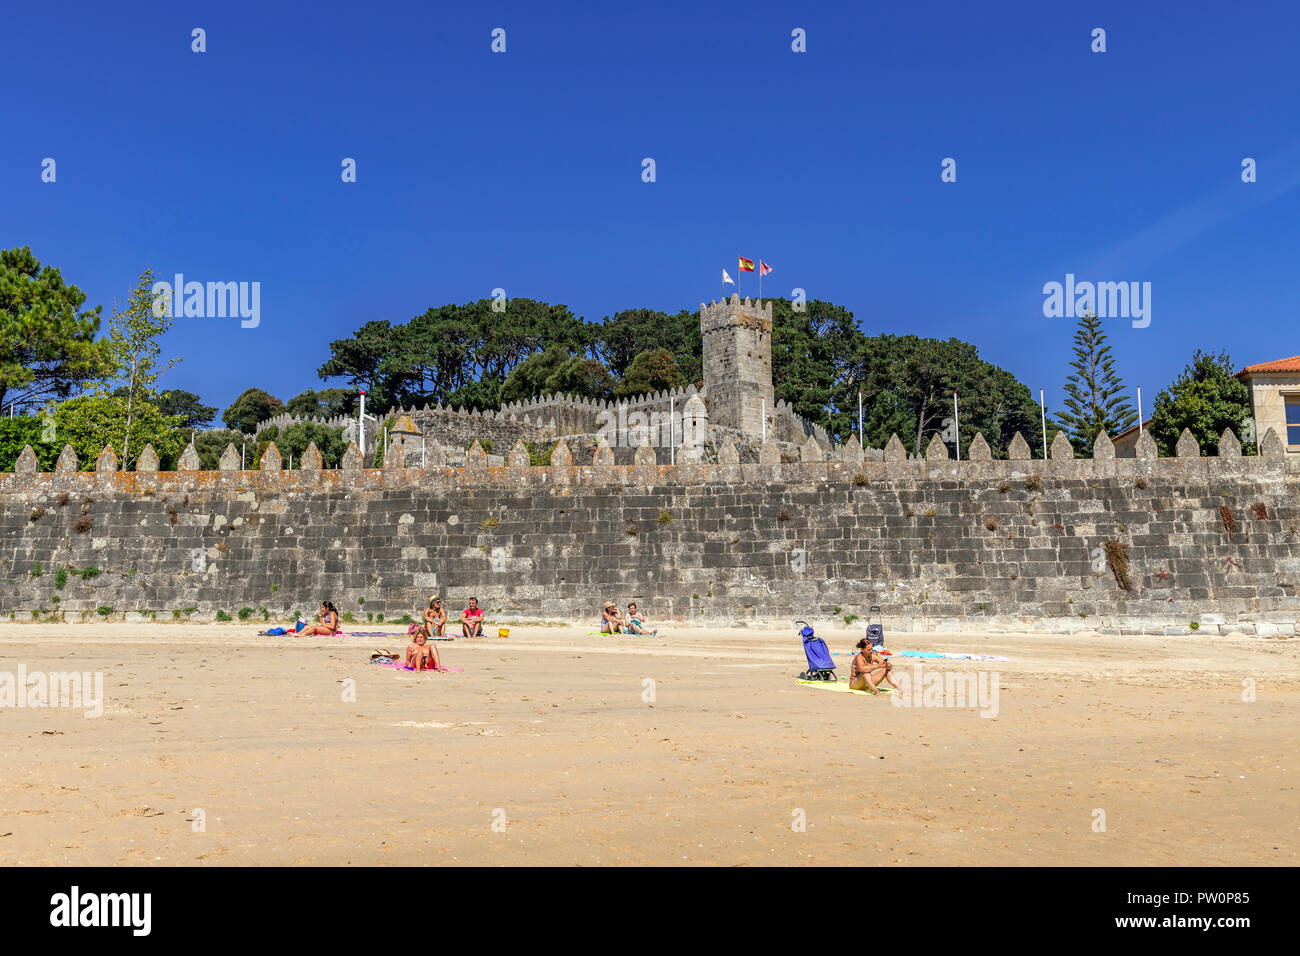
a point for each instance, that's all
(738, 364)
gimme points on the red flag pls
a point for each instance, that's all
(763, 268)
(746, 265)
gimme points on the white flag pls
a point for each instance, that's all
(726, 278)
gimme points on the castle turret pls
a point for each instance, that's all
(738, 364)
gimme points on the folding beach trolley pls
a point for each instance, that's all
(821, 666)
(875, 627)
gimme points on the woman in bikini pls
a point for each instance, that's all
(869, 669)
(435, 617)
(421, 655)
(328, 621)
(611, 622)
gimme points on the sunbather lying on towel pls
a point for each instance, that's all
(869, 668)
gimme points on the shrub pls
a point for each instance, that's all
(171, 514)
(104, 610)
(487, 524)
(89, 573)
(665, 516)
(223, 616)
(783, 515)
(245, 613)
(860, 480)
(1117, 558)
(63, 499)
(632, 529)
(1229, 519)
(991, 523)
(405, 619)
(60, 578)
(1033, 483)
(36, 570)
(1004, 486)
(83, 524)
(1259, 510)
(1141, 483)
(37, 513)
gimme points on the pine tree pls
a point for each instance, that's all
(1095, 397)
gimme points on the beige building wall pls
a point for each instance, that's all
(1269, 392)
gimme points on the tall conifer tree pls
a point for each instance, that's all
(1094, 394)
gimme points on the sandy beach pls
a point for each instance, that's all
(555, 746)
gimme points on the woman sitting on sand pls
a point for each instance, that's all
(636, 624)
(421, 655)
(611, 621)
(435, 617)
(328, 621)
(869, 668)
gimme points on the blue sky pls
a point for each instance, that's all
(522, 170)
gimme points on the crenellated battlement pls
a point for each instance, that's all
(940, 544)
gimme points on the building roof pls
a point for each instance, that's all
(1291, 364)
(1130, 431)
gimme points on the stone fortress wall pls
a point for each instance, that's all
(1182, 545)
(748, 514)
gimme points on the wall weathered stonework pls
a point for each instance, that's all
(939, 544)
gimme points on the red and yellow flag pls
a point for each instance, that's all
(746, 265)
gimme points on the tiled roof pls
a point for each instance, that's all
(1129, 431)
(1291, 364)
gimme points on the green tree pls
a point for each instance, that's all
(188, 407)
(293, 441)
(89, 422)
(1094, 393)
(359, 359)
(651, 371)
(482, 394)
(907, 384)
(620, 338)
(555, 371)
(22, 430)
(250, 409)
(325, 403)
(210, 445)
(47, 343)
(133, 359)
(1207, 398)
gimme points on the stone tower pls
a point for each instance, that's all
(738, 364)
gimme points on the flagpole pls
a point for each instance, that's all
(860, 439)
(760, 282)
(1043, 404)
(956, 423)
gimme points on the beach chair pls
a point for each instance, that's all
(821, 666)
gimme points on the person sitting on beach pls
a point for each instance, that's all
(636, 624)
(611, 621)
(471, 620)
(421, 655)
(435, 617)
(327, 621)
(869, 668)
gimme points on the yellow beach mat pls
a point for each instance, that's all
(840, 686)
